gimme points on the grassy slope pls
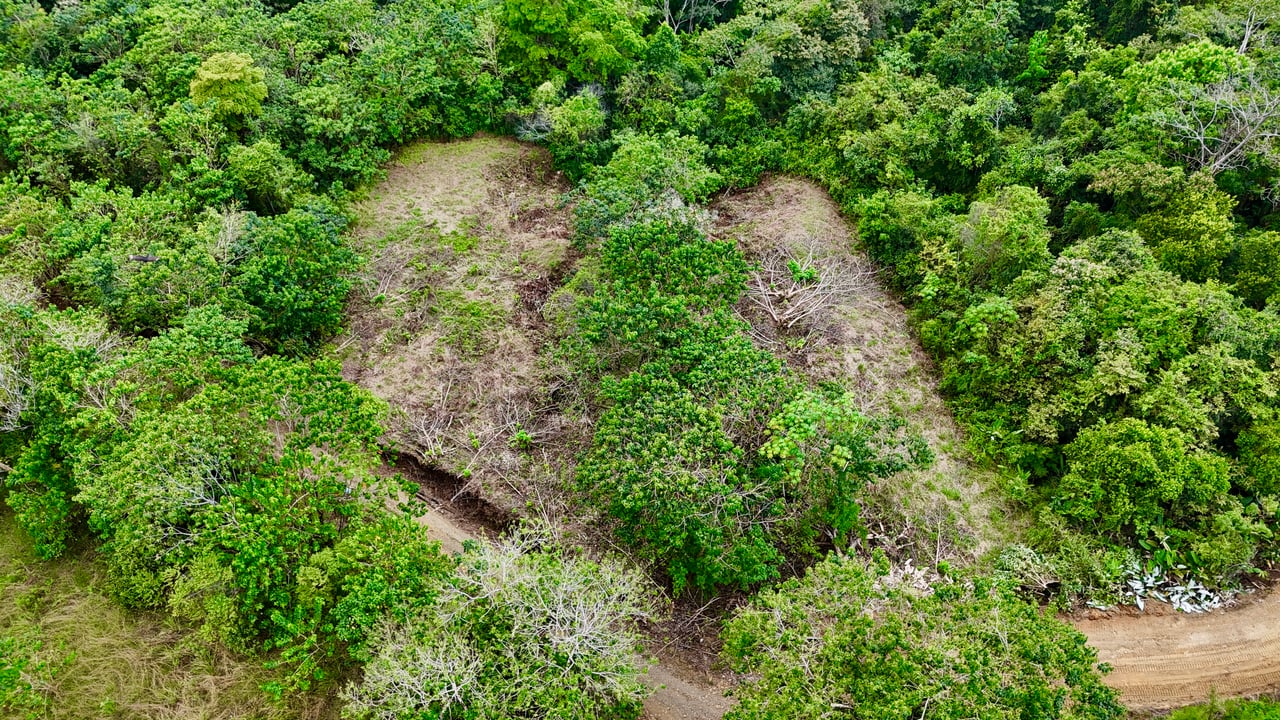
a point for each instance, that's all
(102, 661)
(463, 241)
(863, 342)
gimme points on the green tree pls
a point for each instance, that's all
(232, 82)
(851, 635)
(1257, 272)
(1191, 236)
(590, 40)
(296, 276)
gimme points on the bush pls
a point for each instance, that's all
(1142, 483)
(708, 459)
(296, 277)
(847, 636)
(526, 629)
(646, 173)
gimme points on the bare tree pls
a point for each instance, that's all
(1255, 26)
(15, 386)
(1223, 124)
(685, 15)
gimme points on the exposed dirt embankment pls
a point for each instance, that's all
(1165, 659)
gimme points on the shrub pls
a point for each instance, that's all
(296, 277)
(527, 629)
(845, 636)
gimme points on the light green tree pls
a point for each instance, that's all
(231, 81)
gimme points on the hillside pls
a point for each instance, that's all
(612, 359)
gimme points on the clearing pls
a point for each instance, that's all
(466, 241)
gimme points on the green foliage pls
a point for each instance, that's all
(485, 649)
(1004, 238)
(644, 173)
(708, 458)
(23, 679)
(1260, 458)
(1191, 236)
(889, 129)
(296, 276)
(846, 636)
(590, 41)
(209, 476)
(266, 177)
(231, 82)
(470, 326)
(1057, 363)
(574, 128)
(1229, 710)
(1129, 475)
(1257, 277)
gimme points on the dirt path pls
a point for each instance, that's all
(1167, 660)
(677, 698)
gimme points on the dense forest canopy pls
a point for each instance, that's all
(1078, 201)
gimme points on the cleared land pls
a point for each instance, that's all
(483, 222)
(1165, 659)
(463, 243)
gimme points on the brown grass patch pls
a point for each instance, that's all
(104, 661)
(464, 242)
(860, 339)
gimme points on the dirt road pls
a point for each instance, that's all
(1167, 660)
(678, 698)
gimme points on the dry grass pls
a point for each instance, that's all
(859, 338)
(107, 662)
(464, 242)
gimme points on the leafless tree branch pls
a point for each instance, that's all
(1222, 125)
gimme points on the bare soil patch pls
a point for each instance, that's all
(1163, 659)
(857, 336)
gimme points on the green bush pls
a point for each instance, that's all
(846, 635)
(296, 277)
(708, 458)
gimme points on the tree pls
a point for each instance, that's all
(853, 635)
(295, 276)
(231, 81)
(1005, 237)
(1225, 124)
(1257, 273)
(590, 40)
(1191, 236)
